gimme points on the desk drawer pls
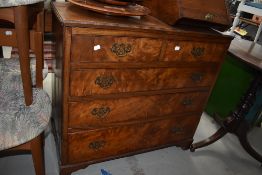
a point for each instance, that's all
(189, 51)
(104, 143)
(102, 113)
(109, 81)
(114, 49)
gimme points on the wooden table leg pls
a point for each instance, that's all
(241, 133)
(236, 122)
(219, 134)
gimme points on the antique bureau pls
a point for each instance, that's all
(125, 85)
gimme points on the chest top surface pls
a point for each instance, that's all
(72, 16)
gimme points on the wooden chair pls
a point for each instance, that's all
(248, 7)
(25, 109)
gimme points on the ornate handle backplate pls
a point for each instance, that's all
(209, 17)
(197, 51)
(104, 81)
(96, 145)
(121, 49)
(197, 77)
(187, 102)
(101, 112)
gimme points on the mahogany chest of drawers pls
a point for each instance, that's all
(125, 85)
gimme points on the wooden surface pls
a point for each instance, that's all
(106, 112)
(128, 10)
(113, 141)
(115, 77)
(247, 51)
(73, 16)
(172, 11)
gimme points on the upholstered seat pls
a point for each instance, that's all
(12, 3)
(19, 123)
(12, 65)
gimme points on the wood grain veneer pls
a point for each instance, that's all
(116, 77)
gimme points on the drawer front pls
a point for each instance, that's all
(193, 51)
(212, 11)
(98, 144)
(102, 113)
(114, 49)
(107, 81)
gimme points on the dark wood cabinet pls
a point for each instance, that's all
(116, 77)
(214, 12)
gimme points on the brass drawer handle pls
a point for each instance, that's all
(197, 51)
(121, 49)
(101, 112)
(187, 102)
(105, 81)
(209, 17)
(96, 145)
(176, 130)
(197, 77)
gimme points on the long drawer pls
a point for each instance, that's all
(101, 113)
(108, 81)
(108, 142)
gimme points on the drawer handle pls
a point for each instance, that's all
(187, 102)
(197, 77)
(96, 145)
(121, 49)
(197, 51)
(104, 81)
(176, 130)
(209, 17)
(101, 112)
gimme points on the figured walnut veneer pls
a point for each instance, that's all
(127, 85)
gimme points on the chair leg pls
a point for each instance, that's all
(39, 58)
(258, 32)
(235, 23)
(22, 31)
(38, 155)
(1, 52)
(219, 134)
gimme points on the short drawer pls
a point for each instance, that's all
(190, 51)
(105, 143)
(108, 81)
(102, 113)
(87, 48)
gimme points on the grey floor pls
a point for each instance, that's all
(225, 157)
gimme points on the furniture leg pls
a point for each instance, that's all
(241, 133)
(219, 134)
(39, 58)
(258, 32)
(236, 19)
(21, 26)
(1, 52)
(38, 155)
